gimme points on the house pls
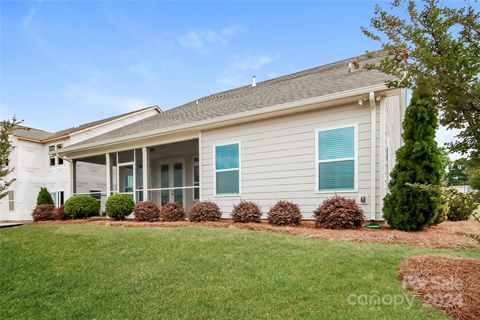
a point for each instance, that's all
(37, 164)
(303, 137)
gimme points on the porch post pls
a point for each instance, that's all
(73, 177)
(108, 174)
(145, 173)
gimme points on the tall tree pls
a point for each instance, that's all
(457, 172)
(419, 162)
(438, 46)
(6, 128)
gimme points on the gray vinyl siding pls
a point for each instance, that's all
(278, 158)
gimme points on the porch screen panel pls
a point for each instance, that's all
(336, 159)
(227, 169)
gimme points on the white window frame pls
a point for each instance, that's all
(224, 170)
(56, 159)
(11, 200)
(354, 158)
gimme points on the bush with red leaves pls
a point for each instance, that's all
(204, 211)
(146, 211)
(246, 211)
(43, 212)
(59, 214)
(339, 213)
(172, 212)
(284, 213)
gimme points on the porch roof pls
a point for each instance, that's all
(316, 82)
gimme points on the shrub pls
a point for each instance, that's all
(339, 213)
(246, 211)
(407, 207)
(44, 197)
(443, 207)
(461, 206)
(59, 213)
(204, 211)
(172, 212)
(43, 212)
(81, 206)
(146, 211)
(119, 205)
(284, 213)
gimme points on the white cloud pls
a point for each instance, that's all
(240, 71)
(201, 40)
(85, 94)
(28, 18)
(445, 136)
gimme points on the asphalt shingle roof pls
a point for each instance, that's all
(40, 135)
(315, 82)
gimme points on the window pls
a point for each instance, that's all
(52, 158)
(60, 160)
(11, 201)
(58, 198)
(335, 159)
(196, 179)
(227, 169)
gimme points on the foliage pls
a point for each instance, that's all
(119, 206)
(44, 197)
(81, 206)
(172, 212)
(43, 212)
(6, 147)
(457, 173)
(59, 213)
(473, 172)
(246, 211)
(339, 213)
(443, 206)
(284, 213)
(407, 207)
(204, 211)
(461, 205)
(146, 211)
(437, 47)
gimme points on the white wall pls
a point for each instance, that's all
(278, 159)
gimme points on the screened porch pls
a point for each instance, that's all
(161, 174)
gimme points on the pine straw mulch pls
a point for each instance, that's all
(445, 235)
(446, 283)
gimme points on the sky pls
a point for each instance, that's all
(64, 63)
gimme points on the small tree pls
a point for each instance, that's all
(407, 207)
(44, 197)
(457, 172)
(6, 147)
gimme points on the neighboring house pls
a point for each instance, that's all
(36, 163)
(303, 137)
(464, 188)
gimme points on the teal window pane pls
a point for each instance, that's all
(228, 182)
(336, 143)
(336, 175)
(226, 156)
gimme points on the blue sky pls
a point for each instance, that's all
(66, 63)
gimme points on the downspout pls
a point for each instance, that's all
(373, 151)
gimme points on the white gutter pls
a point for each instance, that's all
(202, 123)
(373, 151)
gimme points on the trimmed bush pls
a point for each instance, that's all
(59, 213)
(44, 197)
(284, 213)
(172, 212)
(461, 205)
(339, 213)
(408, 207)
(81, 206)
(204, 211)
(246, 211)
(43, 212)
(118, 206)
(146, 211)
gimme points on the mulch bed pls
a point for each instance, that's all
(445, 235)
(446, 283)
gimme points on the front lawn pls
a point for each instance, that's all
(89, 271)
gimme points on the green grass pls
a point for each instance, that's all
(90, 271)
